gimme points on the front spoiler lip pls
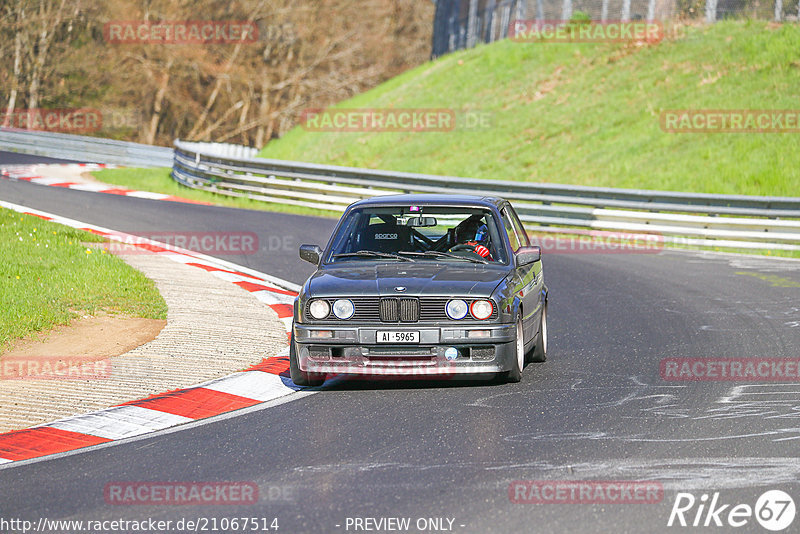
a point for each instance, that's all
(423, 371)
(411, 366)
(435, 337)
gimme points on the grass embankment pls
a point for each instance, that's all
(589, 114)
(158, 180)
(586, 114)
(48, 276)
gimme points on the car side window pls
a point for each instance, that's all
(512, 234)
(521, 233)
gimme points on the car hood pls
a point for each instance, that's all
(428, 278)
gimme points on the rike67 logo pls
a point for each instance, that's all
(774, 510)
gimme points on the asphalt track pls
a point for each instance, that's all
(596, 410)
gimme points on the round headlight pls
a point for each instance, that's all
(319, 309)
(481, 309)
(456, 309)
(343, 308)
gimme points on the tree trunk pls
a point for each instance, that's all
(12, 99)
(155, 118)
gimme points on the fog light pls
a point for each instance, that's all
(475, 334)
(320, 334)
(451, 354)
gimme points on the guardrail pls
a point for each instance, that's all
(730, 221)
(85, 149)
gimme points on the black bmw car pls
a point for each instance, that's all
(421, 285)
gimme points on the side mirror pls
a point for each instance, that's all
(311, 253)
(528, 255)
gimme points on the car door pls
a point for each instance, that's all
(529, 277)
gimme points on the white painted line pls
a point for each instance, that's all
(48, 181)
(233, 277)
(184, 258)
(4, 461)
(90, 187)
(759, 393)
(119, 422)
(287, 323)
(132, 423)
(147, 194)
(270, 297)
(256, 385)
(194, 424)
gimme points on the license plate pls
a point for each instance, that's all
(387, 336)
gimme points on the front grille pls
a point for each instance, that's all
(389, 311)
(433, 309)
(424, 353)
(405, 310)
(409, 310)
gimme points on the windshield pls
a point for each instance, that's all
(435, 233)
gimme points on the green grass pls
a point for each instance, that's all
(48, 276)
(158, 180)
(589, 114)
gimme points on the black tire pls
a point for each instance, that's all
(300, 377)
(539, 352)
(515, 374)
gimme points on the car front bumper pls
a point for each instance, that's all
(481, 349)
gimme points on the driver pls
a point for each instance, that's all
(474, 234)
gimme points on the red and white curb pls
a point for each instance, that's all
(31, 173)
(260, 383)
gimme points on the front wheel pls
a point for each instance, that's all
(515, 374)
(300, 377)
(539, 353)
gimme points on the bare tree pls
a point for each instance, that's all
(310, 54)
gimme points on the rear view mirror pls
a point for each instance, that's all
(528, 255)
(310, 253)
(416, 222)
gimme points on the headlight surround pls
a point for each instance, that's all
(456, 309)
(319, 309)
(343, 309)
(481, 309)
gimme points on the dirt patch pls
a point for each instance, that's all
(89, 178)
(90, 338)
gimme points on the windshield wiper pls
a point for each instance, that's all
(370, 254)
(437, 254)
